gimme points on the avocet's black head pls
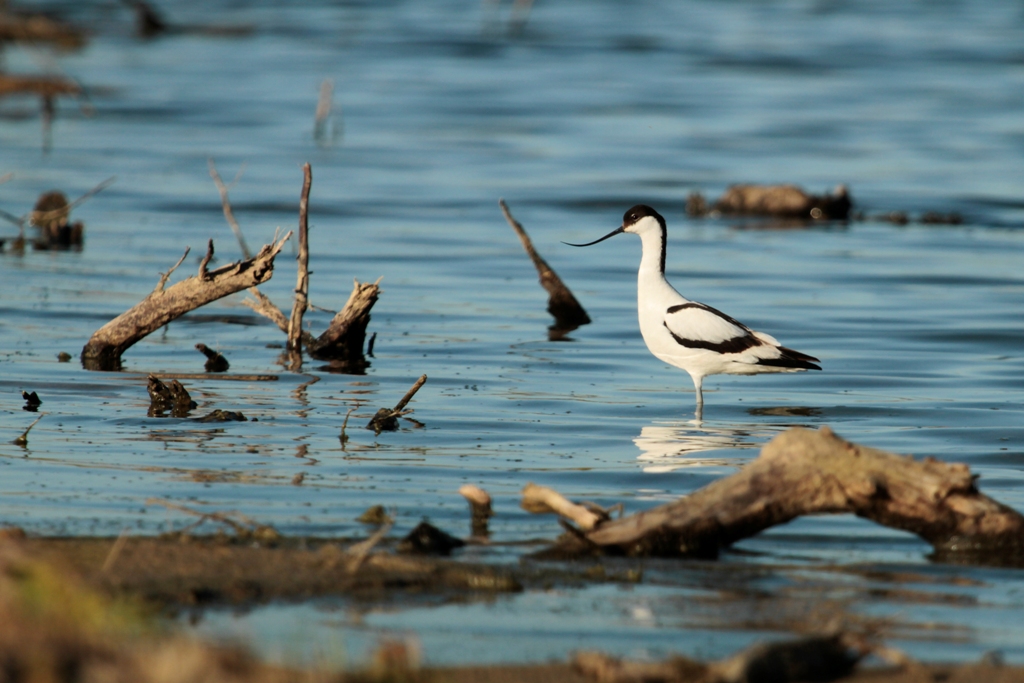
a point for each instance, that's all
(639, 220)
(632, 221)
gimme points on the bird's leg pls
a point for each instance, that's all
(697, 384)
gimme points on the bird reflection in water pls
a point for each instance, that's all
(669, 446)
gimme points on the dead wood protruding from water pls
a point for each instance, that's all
(215, 361)
(104, 349)
(803, 472)
(780, 201)
(301, 302)
(386, 419)
(813, 658)
(343, 341)
(172, 396)
(568, 312)
(480, 509)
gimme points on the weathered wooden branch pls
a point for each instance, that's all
(104, 349)
(568, 312)
(803, 472)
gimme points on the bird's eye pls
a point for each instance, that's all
(632, 216)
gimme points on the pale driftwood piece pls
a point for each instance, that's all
(782, 201)
(803, 472)
(344, 338)
(568, 312)
(225, 204)
(541, 499)
(104, 349)
(301, 302)
(479, 507)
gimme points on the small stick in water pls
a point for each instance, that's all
(386, 419)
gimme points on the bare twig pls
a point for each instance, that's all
(302, 281)
(358, 552)
(225, 204)
(203, 275)
(409, 394)
(164, 277)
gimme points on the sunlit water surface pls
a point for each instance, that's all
(591, 108)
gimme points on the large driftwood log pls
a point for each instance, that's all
(104, 349)
(802, 472)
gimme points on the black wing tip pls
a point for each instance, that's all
(792, 359)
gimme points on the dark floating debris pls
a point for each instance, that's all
(51, 216)
(568, 312)
(781, 201)
(375, 514)
(386, 420)
(427, 539)
(215, 362)
(219, 415)
(171, 396)
(63, 357)
(32, 401)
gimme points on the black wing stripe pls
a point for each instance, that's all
(709, 309)
(733, 345)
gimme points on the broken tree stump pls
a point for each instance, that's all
(344, 338)
(803, 472)
(568, 312)
(104, 349)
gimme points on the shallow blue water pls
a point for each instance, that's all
(438, 112)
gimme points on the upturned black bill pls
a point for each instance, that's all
(613, 233)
